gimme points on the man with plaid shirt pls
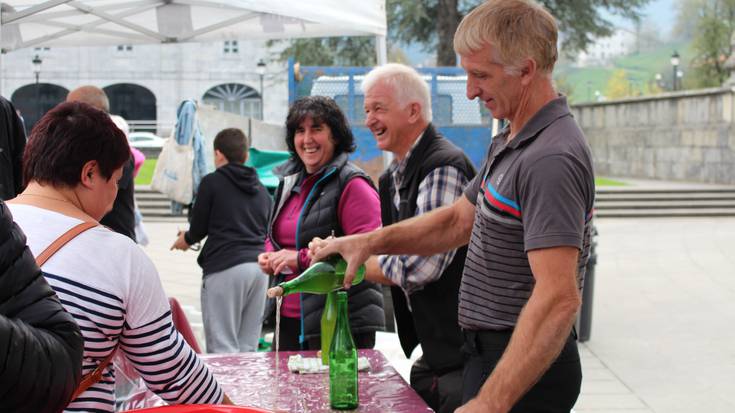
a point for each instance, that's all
(428, 172)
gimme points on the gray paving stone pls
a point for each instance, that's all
(609, 401)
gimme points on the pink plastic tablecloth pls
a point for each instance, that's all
(249, 379)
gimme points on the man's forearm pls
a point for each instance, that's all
(440, 230)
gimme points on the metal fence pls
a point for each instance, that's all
(465, 122)
(450, 105)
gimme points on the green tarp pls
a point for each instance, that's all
(264, 162)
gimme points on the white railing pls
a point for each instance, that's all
(160, 128)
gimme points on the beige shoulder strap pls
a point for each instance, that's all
(95, 375)
(62, 240)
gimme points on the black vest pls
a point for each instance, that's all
(318, 219)
(432, 320)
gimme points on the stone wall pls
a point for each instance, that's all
(682, 136)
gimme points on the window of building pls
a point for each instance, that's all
(231, 47)
(34, 100)
(235, 98)
(124, 48)
(133, 102)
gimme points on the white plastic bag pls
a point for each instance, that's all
(173, 174)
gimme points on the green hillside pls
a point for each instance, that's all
(581, 83)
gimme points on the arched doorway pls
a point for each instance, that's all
(235, 98)
(135, 103)
(33, 101)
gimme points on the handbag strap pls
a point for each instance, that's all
(63, 240)
(95, 375)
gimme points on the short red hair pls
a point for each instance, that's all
(67, 137)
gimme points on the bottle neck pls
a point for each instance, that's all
(342, 339)
(342, 315)
(319, 278)
(342, 304)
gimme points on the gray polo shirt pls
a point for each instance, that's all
(535, 192)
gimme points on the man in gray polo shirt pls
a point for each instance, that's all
(526, 217)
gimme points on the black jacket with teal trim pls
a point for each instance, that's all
(319, 218)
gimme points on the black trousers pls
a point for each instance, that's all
(555, 392)
(441, 390)
(362, 340)
(289, 337)
(291, 329)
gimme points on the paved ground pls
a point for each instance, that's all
(663, 334)
(664, 317)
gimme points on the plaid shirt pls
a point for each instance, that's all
(439, 188)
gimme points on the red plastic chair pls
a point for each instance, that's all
(182, 325)
(200, 408)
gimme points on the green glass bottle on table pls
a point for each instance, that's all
(343, 361)
(329, 319)
(320, 278)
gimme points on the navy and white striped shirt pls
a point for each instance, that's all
(114, 293)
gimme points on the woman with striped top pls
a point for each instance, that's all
(72, 163)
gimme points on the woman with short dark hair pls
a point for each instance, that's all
(72, 163)
(328, 113)
(321, 193)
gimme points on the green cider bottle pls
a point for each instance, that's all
(343, 361)
(329, 319)
(321, 278)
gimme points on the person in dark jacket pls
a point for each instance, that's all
(320, 193)
(12, 143)
(231, 210)
(122, 217)
(428, 172)
(41, 346)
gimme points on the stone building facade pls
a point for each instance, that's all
(147, 82)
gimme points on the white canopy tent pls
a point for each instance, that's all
(60, 23)
(65, 23)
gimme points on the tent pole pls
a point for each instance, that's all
(30, 11)
(381, 49)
